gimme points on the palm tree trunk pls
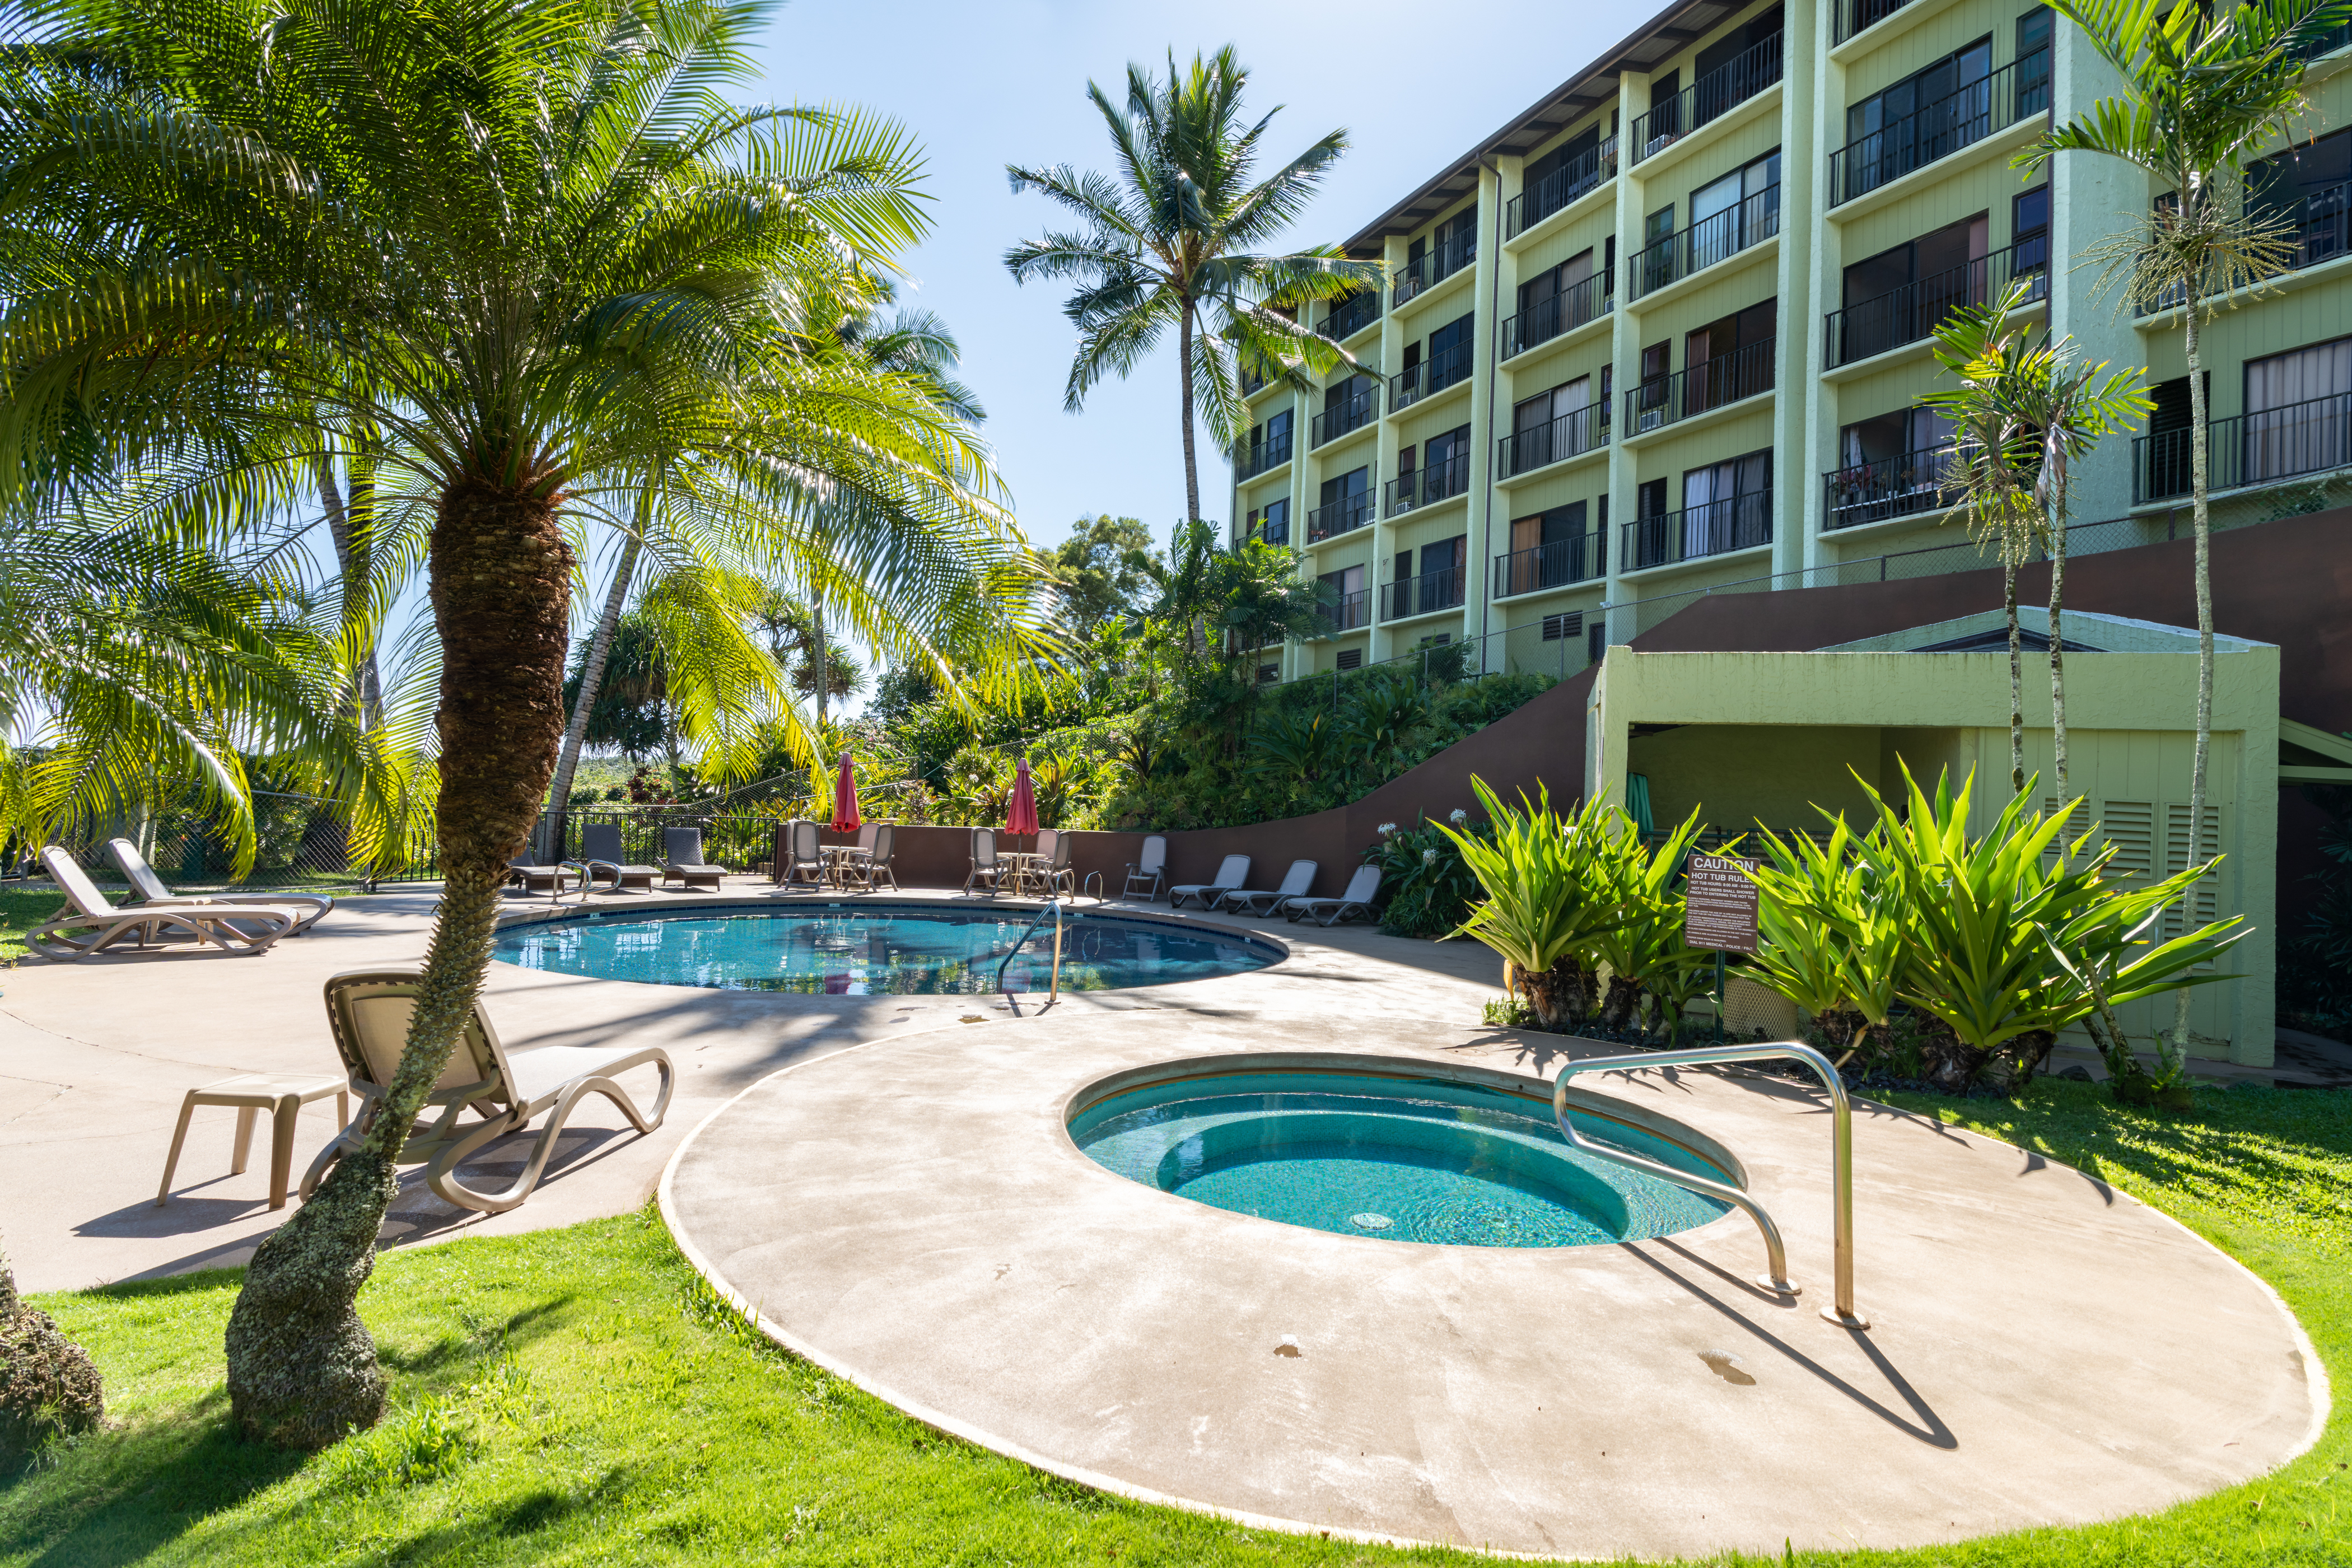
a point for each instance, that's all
(2057, 657)
(302, 1371)
(816, 618)
(1184, 363)
(368, 685)
(2016, 679)
(591, 683)
(2202, 516)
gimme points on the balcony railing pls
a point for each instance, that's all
(2321, 221)
(1447, 367)
(1670, 399)
(1711, 96)
(1711, 239)
(1352, 315)
(1425, 595)
(1572, 307)
(1911, 313)
(1854, 16)
(1886, 488)
(1580, 559)
(1352, 413)
(1345, 515)
(1435, 265)
(2310, 438)
(2018, 90)
(1350, 612)
(1276, 533)
(1571, 434)
(1252, 460)
(1561, 186)
(1715, 528)
(1427, 487)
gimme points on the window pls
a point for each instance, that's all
(1273, 523)
(1726, 506)
(1350, 483)
(1650, 499)
(1931, 112)
(1566, 628)
(1891, 466)
(1729, 215)
(2295, 408)
(1664, 123)
(1267, 674)
(1345, 601)
(1270, 442)
(2034, 61)
(1902, 294)
(1445, 464)
(1731, 358)
(1352, 658)
(2307, 186)
(2029, 238)
(1657, 364)
(1551, 549)
(1449, 353)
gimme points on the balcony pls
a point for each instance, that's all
(2320, 222)
(2311, 437)
(1571, 434)
(1885, 489)
(1350, 612)
(1714, 528)
(1434, 266)
(1437, 482)
(1719, 382)
(1447, 367)
(1571, 307)
(1709, 97)
(1713, 238)
(1251, 461)
(1854, 16)
(1557, 189)
(1352, 315)
(2018, 90)
(1352, 413)
(1907, 314)
(1582, 559)
(1345, 515)
(1423, 595)
(1273, 532)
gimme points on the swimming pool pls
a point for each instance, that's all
(1392, 1157)
(876, 950)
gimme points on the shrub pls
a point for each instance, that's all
(50, 1389)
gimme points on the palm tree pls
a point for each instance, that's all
(2053, 409)
(2204, 85)
(1172, 240)
(531, 243)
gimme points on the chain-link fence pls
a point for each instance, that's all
(303, 842)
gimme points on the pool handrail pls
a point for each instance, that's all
(1841, 1312)
(1054, 907)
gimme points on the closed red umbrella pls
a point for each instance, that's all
(1022, 816)
(845, 799)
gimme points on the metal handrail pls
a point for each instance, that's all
(1052, 907)
(1841, 1312)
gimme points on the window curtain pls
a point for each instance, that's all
(2295, 420)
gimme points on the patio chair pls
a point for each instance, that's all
(1356, 901)
(1150, 869)
(88, 923)
(875, 864)
(153, 893)
(552, 881)
(682, 860)
(802, 851)
(1230, 874)
(368, 1013)
(601, 855)
(985, 867)
(1295, 883)
(1052, 867)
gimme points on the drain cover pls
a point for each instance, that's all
(1370, 1221)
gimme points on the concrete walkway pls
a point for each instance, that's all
(96, 1056)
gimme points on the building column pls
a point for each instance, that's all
(1812, 125)
(1624, 357)
(1487, 298)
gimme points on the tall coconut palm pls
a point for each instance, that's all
(2053, 409)
(1174, 239)
(533, 244)
(2204, 86)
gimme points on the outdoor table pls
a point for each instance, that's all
(838, 859)
(1021, 864)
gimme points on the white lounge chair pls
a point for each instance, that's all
(985, 867)
(601, 855)
(369, 1010)
(1150, 868)
(682, 859)
(1295, 883)
(153, 893)
(1230, 874)
(1356, 901)
(88, 923)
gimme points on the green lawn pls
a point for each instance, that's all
(575, 1396)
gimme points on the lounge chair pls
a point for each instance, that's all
(682, 859)
(985, 867)
(799, 851)
(368, 1011)
(1150, 869)
(1356, 901)
(153, 893)
(1231, 874)
(550, 880)
(1295, 883)
(869, 867)
(88, 923)
(601, 855)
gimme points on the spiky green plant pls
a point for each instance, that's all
(1834, 928)
(1543, 904)
(1643, 945)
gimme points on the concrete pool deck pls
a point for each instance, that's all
(914, 1216)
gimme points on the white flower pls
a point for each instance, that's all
(1429, 857)
(1460, 816)
(1387, 829)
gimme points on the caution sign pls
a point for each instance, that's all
(1719, 905)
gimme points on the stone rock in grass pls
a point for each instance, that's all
(48, 1386)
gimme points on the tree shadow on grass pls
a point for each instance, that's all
(477, 1339)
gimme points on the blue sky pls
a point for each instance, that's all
(985, 85)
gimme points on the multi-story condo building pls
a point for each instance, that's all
(1666, 332)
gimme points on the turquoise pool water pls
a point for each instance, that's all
(1396, 1159)
(876, 950)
